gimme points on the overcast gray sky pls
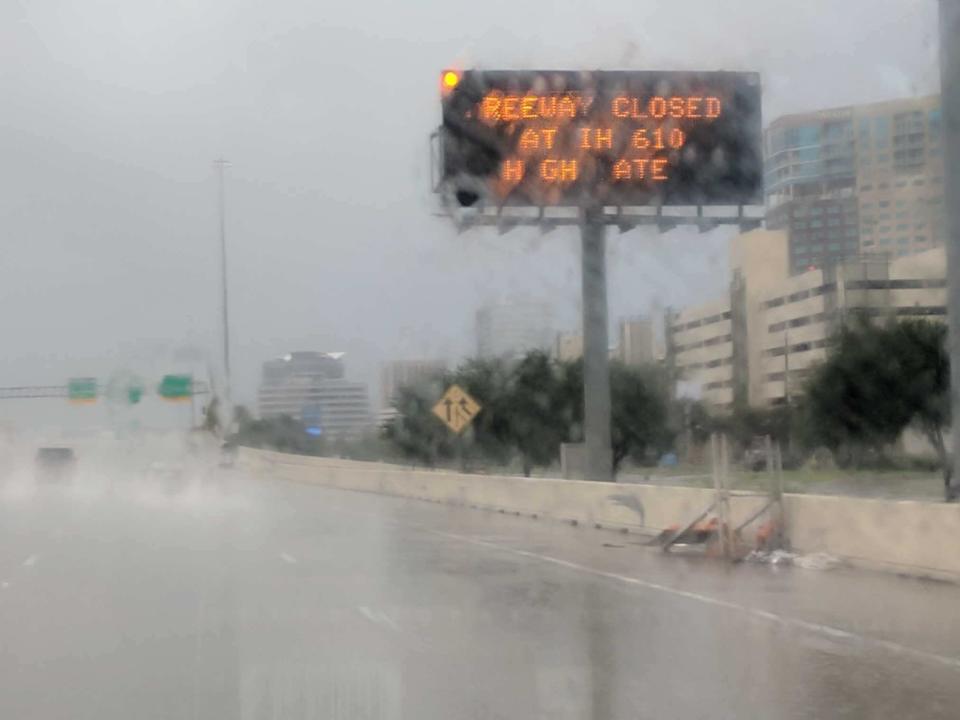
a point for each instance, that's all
(112, 113)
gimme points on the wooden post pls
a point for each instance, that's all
(719, 460)
(782, 541)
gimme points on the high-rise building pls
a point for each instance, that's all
(310, 386)
(863, 178)
(637, 342)
(396, 374)
(568, 346)
(756, 344)
(510, 329)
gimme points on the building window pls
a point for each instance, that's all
(883, 186)
(816, 210)
(903, 241)
(919, 181)
(884, 203)
(868, 243)
(921, 238)
(902, 226)
(884, 229)
(883, 158)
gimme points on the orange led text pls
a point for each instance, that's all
(658, 108)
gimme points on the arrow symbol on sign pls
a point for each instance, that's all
(449, 403)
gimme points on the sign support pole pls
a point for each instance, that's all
(598, 463)
(950, 100)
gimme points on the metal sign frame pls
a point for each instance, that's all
(592, 220)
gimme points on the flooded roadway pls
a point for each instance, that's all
(231, 597)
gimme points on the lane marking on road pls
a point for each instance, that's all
(786, 621)
(389, 620)
(30, 561)
(288, 558)
(378, 618)
(828, 631)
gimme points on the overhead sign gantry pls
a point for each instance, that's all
(550, 148)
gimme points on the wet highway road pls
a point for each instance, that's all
(233, 597)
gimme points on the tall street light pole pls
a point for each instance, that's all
(220, 164)
(950, 109)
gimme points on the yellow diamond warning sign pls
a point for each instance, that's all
(456, 409)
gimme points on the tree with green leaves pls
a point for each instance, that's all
(638, 413)
(211, 416)
(487, 381)
(416, 432)
(879, 379)
(536, 423)
(284, 434)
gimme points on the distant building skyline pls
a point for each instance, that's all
(855, 179)
(397, 373)
(310, 386)
(511, 328)
(755, 344)
(636, 344)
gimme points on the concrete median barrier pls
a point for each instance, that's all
(916, 538)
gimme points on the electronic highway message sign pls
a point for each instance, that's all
(544, 138)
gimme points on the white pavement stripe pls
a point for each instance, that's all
(824, 630)
(367, 613)
(30, 561)
(388, 620)
(378, 617)
(288, 558)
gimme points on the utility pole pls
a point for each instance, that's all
(786, 367)
(598, 461)
(950, 109)
(220, 164)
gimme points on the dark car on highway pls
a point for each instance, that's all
(55, 464)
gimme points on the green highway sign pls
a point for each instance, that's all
(176, 387)
(82, 390)
(124, 388)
